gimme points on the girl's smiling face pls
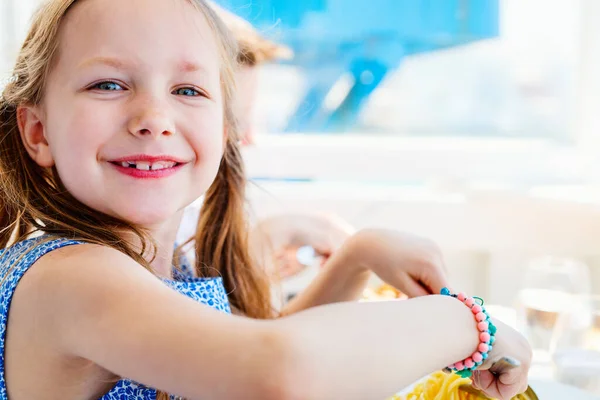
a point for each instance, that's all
(132, 116)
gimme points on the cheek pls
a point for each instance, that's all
(209, 149)
(207, 136)
(76, 137)
(84, 125)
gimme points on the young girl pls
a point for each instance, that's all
(119, 115)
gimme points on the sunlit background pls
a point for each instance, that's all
(472, 122)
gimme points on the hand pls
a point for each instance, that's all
(411, 264)
(504, 384)
(279, 238)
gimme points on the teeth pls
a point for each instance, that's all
(146, 166)
(162, 165)
(143, 165)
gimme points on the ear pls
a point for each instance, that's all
(33, 136)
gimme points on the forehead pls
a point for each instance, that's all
(151, 32)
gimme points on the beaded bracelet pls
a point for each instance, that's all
(487, 335)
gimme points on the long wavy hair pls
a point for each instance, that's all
(33, 199)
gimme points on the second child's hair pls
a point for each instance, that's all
(253, 48)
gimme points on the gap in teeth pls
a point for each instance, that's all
(146, 166)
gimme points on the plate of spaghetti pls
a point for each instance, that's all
(442, 386)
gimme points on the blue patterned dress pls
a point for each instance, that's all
(16, 260)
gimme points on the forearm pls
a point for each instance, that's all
(343, 278)
(371, 350)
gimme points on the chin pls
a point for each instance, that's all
(146, 215)
(148, 209)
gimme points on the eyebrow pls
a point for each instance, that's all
(111, 62)
(188, 66)
(184, 66)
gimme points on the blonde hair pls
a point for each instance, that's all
(33, 199)
(253, 48)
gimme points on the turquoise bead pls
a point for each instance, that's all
(465, 373)
(445, 292)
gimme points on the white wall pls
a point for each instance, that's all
(14, 21)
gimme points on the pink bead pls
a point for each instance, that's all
(459, 366)
(484, 337)
(461, 296)
(477, 357)
(480, 317)
(470, 301)
(483, 326)
(469, 363)
(476, 309)
(483, 348)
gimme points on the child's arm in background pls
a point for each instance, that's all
(409, 263)
(96, 303)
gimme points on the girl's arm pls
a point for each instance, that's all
(343, 277)
(94, 302)
(410, 263)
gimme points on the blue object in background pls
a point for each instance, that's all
(362, 38)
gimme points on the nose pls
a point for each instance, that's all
(151, 119)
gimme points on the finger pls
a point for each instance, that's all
(511, 377)
(323, 251)
(435, 279)
(409, 286)
(504, 386)
(475, 380)
(486, 381)
(485, 378)
(324, 260)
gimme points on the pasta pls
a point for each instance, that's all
(442, 386)
(382, 292)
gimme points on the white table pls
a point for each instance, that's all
(553, 390)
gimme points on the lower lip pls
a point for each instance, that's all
(147, 174)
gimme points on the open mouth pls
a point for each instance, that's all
(146, 165)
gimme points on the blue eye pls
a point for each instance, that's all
(107, 86)
(186, 91)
